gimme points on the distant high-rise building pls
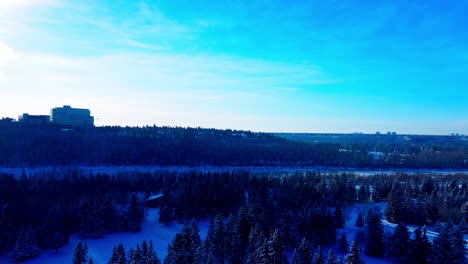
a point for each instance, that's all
(67, 115)
(34, 119)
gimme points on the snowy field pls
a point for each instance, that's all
(101, 249)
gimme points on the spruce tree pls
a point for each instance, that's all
(331, 257)
(114, 257)
(121, 255)
(109, 215)
(295, 258)
(152, 257)
(91, 225)
(360, 220)
(400, 243)
(449, 246)
(20, 252)
(276, 255)
(135, 215)
(374, 245)
(304, 252)
(420, 247)
(459, 250)
(80, 253)
(318, 257)
(343, 243)
(339, 217)
(26, 245)
(354, 257)
(165, 212)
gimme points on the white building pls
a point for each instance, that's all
(67, 115)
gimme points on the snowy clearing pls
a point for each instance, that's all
(101, 249)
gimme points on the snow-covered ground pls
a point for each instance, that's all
(101, 249)
(350, 228)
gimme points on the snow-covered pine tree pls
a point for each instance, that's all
(26, 245)
(331, 257)
(318, 257)
(295, 258)
(360, 220)
(374, 245)
(338, 216)
(152, 257)
(343, 245)
(276, 249)
(135, 214)
(400, 243)
(20, 250)
(80, 253)
(354, 256)
(420, 247)
(304, 252)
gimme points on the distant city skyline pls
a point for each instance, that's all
(273, 66)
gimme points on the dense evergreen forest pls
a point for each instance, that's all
(22, 145)
(261, 218)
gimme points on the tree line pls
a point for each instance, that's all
(49, 145)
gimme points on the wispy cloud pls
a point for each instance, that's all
(7, 5)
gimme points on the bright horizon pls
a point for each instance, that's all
(273, 66)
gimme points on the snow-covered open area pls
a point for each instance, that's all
(101, 249)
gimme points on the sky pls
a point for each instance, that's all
(274, 66)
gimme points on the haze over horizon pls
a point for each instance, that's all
(273, 66)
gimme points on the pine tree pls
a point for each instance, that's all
(109, 215)
(343, 243)
(152, 257)
(449, 246)
(136, 255)
(459, 250)
(26, 245)
(420, 247)
(20, 251)
(339, 261)
(374, 245)
(276, 249)
(80, 253)
(135, 215)
(121, 255)
(257, 246)
(400, 243)
(318, 257)
(181, 248)
(359, 237)
(463, 225)
(233, 245)
(114, 257)
(354, 257)
(165, 213)
(304, 252)
(90, 221)
(360, 220)
(295, 258)
(339, 217)
(331, 257)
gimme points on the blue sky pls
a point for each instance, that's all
(288, 66)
